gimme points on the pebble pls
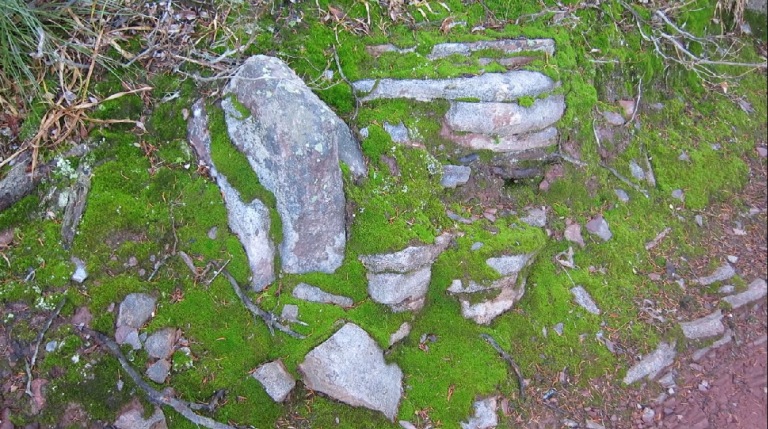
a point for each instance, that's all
(637, 171)
(613, 118)
(476, 245)
(762, 151)
(648, 415)
(733, 259)
(716, 146)
(80, 273)
(213, 233)
(623, 196)
(559, 328)
(684, 157)
(50, 346)
(132, 262)
(699, 220)
(678, 194)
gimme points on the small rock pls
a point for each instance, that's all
(485, 416)
(290, 312)
(507, 265)
(724, 272)
(732, 259)
(668, 380)
(648, 415)
(637, 171)
(654, 277)
(135, 310)
(310, 293)
(716, 146)
(82, 317)
(570, 423)
(582, 297)
(158, 371)
(622, 195)
(684, 157)
(276, 379)
(707, 326)
(678, 194)
(160, 344)
(398, 132)
(703, 386)
(726, 289)
(400, 334)
(50, 346)
(407, 425)
(594, 425)
(755, 291)
(132, 262)
(699, 220)
(599, 227)
(536, 217)
(213, 233)
(455, 175)
(476, 246)
(559, 328)
(80, 273)
(613, 118)
(133, 418)
(128, 335)
(573, 234)
(762, 151)
(469, 159)
(652, 364)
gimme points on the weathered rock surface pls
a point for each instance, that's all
(80, 273)
(508, 46)
(350, 367)
(487, 87)
(277, 381)
(573, 234)
(535, 217)
(401, 279)
(401, 333)
(159, 371)
(485, 416)
(398, 132)
(707, 326)
(135, 310)
(508, 265)
(724, 272)
(249, 221)
(599, 227)
(502, 143)
(160, 344)
(455, 175)
(133, 418)
(505, 119)
(296, 157)
(582, 297)
(311, 293)
(652, 364)
(755, 291)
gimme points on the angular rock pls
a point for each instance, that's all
(707, 326)
(406, 260)
(622, 195)
(277, 381)
(398, 132)
(160, 344)
(512, 264)
(724, 272)
(637, 171)
(582, 297)
(486, 87)
(249, 221)
(652, 364)
(599, 227)
(80, 273)
(505, 119)
(678, 194)
(133, 418)
(400, 334)
(290, 313)
(295, 156)
(535, 217)
(504, 143)
(485, 416)
(401, 292)
(484, 312)
(573, 234)
(613, 118)
(509, 46)
(128, 335)
(455, 175)
(159, 371)
(726, 338)
(310, 293)
(350, 367)
(458, 287)
(755, 292)
(135, 310)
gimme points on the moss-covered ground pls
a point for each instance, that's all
(148, 201)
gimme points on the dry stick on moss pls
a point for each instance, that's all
(29, 365)
(182, 407)
(344, 78)
(616, 173)
(509, 360)
(267, 317)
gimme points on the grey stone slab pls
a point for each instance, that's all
(311, 293)
(401, 333)
(535, 217)
(504, 143)
(637, 171)
(707, 326)
(599, 226)
(652, 364)
(159, 371)
(723, 272)
(505, 119)
(350, 368)
(398, 132)
(455, 175)
(508, 46)
(582, 297)
(755, 292)
(512, 264)
(276, 379)
(485, 416)
(486, 87)
(401, 292)
(484, 312)
(133, 418)
(135, 310)
(409, 259)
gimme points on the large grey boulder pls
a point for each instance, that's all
(296, 157)
(250, 221)
(486, 87)
(401, 279)
(350, 368)
(505, 119)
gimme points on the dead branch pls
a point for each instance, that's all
(655, 242)
(29, 365)
(616, 173)
(182, 407)
(510, 361)
(269, 319)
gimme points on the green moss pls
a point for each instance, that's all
(526, 101)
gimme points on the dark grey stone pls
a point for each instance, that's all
(277, 381)
(159, 371)
(160, 344)
(310, 293)
(296, 157)
(455, 175)
(599, 227)
(135, 310)
(755, 291)
(350, 367)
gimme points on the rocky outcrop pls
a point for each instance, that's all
(250, 221)
(296, 157)
(350, 368)
(401, 279)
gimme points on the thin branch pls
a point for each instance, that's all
(509, 360)
(637, 102)
(31, 363)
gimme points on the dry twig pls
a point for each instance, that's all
(510, 361)
(29, 365)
